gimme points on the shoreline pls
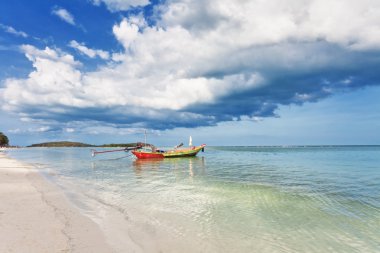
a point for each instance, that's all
(36, 216)
(48, 216)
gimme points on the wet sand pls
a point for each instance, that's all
(35, 216)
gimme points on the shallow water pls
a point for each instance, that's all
(228, 199)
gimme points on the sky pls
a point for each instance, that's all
(243, 72)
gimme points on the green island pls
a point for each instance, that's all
(79, 144)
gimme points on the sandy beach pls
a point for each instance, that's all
(35, 216)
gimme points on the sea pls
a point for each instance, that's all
(227, 199)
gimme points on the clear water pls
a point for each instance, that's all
(228, 199)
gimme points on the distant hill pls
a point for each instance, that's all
(79, 144)
(61, 144)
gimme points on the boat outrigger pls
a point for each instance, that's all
(148, 151)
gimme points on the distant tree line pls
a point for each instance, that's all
(4, 141)
(61, 144)
(79, 144)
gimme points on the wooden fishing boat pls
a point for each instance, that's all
(150, 152)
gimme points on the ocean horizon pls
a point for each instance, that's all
(318, 198)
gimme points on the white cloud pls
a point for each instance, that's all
(15, 131)
(92, 53)
(33, 54)
(350, 23)
(126, 32)
(121, 5)
(55, 81)
(69, 130)
(303, 97)
(64, 15)
(41, 129)
(109, 130)
(199, 54)
(11, 30)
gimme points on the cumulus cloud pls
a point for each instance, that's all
(121, 5)
(92, 53)
(58, 88)
(53, 82)
(11, 30)
(350, 23)
(64, 15)
(203, 63)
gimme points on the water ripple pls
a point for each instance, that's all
(234, 199)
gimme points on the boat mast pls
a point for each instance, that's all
(190, 141)
(145, 139)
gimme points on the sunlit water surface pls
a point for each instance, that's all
(228, 199)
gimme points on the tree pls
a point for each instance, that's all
(4, 141)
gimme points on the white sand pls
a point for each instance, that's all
(35, 216)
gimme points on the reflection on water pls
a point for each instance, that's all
(242, 199)
(146, 164)
(193, 165)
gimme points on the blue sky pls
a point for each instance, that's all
(226, 72)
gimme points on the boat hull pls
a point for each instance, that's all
(147, 155)
(168, 154)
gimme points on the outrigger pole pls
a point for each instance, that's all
(127, 149)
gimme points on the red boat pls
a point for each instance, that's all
(149, 152)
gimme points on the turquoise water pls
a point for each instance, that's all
(228, 199)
